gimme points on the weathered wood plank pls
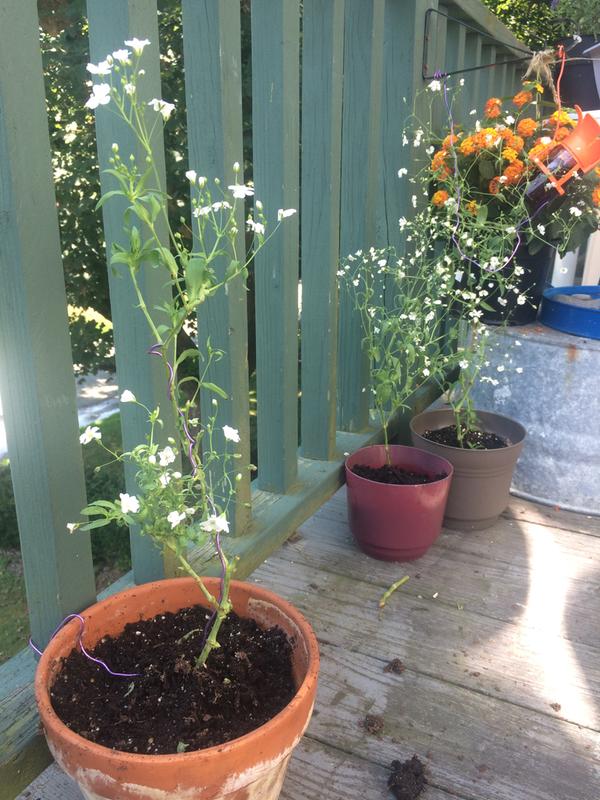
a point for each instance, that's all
(472, 92)
(508, 661)
(473, 745)
(552, 516)
(36, 378)
(111, 23)
(361, 117)
(212, 55)
(525, 576)
(319, 771)
(322, 80)
(276, 141)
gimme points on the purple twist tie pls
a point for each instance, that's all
(103, 664)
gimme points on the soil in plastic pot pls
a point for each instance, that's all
(396, 521)
(482, 477)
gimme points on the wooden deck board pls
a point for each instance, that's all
(511, 630)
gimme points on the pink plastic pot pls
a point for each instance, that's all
(397, 523)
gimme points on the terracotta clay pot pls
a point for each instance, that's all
(481, 484)
(396, 523)
(247, 768)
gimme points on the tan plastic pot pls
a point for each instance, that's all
(481, 484)
(249, 768)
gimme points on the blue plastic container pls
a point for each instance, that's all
(575, 319)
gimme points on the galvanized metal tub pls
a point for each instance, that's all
(557, 398)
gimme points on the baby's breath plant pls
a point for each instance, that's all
(175, 507)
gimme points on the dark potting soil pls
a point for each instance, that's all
(407, 780)
(174, 706)
(472, 440)
(395, 475)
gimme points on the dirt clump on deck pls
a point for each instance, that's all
(407, 779)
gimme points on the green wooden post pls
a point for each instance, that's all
(111, 23)
(361, 120)
(36, 370)
(211, 42)
(472, 88)
(501, 71)
(275, 122)
(322, 65)
(490, 81)
(456, 37)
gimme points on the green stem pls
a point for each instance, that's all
(223, 609)
(187, 567)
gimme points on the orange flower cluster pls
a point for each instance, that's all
(493, 108)
(561, 118)
(522, 98)
(596, 195)
(511, 139)
(514, 172)
(526, 127)
(472, 207)
(440, 197)
(439, 165)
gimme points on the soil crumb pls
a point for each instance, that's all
(407, 780)
(373, 724)
(396, 666)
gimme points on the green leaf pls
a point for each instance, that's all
(197, 278)
(93, 509)
(135, 239)
(96, 523)
(106, 196)
(212, 387)
(486, 169)
(482, 214)
(232, 269)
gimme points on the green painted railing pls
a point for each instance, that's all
(336, 162)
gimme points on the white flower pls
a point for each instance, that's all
(231, 434)
(458, 275)
(177, 475)
(221, 205)
(100, 95)
(129, 88)
(472, 112)
(239, 191)
(541, 229)
(103, 68)
(463, 364)
(152, 459)
(511, 229)
(90, 433)
(129, 503)
(426, 372)
(413, 200)
(166, 456)
(402, 222)
(256, 227)
(191, 175)
(201, 211)
(461, 82)
(509, 119)
(435, 86)
(72, 527)
(402, 171)
(190, 511)
(500, 368)
(494, 262)
(165, 479)
(519, 370)
(430, 150)
(521, 300)
(517, 343)
(215, 523)
(282, 213)
(122, 56)
(161, 105)
(545, 140)
(137, 44)
(175, 517)
(127, 397)
(574, 211)
(502, 301)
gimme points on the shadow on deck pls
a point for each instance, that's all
(499, 636)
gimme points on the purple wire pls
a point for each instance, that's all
(156, 350)
(103, 664)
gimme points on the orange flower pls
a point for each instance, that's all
(450, 140)
(561, 118)
(539, 151)
(514, 171)
(516, 142)
(522, 98)
(439, 160)
(560, 134)
(509, 154)
(493, 108)
(527, 127)
(439, 198)
(472, 207)
(468, 146)
(596, 195)
(494, 185)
